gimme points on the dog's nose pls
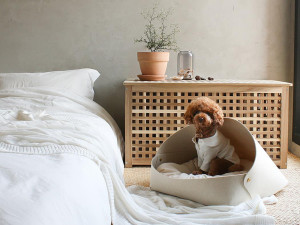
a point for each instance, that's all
(201, 119)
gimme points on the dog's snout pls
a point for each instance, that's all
(203, 119)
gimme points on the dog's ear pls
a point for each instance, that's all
(218, 117)
(188, 116)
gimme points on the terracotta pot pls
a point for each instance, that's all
(153, 63)
(151, 77)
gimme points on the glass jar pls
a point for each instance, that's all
(185, 65)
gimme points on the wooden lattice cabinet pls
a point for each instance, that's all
(154, 110)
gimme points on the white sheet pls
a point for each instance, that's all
(52, 160)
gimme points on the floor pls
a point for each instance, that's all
(286, 211)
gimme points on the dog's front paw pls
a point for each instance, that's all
(197, 172)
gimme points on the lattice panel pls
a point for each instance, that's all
(157, 115)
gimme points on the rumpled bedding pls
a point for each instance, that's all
(54, 147)
(61, 164)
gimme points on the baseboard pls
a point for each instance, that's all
(295, 149)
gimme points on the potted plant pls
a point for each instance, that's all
(158, 37)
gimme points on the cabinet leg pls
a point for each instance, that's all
(128, 165)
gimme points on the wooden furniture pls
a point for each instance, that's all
(154, 110)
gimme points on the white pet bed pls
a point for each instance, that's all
(263, 177)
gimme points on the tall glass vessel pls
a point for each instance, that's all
(185, 68)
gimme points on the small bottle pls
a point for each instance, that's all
(185, 65)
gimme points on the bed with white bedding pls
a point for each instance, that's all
(60, 162)
(53, 141)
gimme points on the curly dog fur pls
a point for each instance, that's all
(207, 116)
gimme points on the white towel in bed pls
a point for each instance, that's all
(184, 171)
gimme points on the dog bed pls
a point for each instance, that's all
(262, 178)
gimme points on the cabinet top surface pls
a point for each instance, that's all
(134, 81)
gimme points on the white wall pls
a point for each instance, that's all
(234, 39)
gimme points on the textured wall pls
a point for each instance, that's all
(240, 39)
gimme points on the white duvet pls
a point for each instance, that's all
(60, 163)
(52, 145)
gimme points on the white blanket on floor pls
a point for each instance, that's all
(165, 209)
(68, 124)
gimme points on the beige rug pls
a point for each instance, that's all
(286, 211)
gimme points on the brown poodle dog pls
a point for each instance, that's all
(207, 116)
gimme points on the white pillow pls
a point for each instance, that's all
(80, 81)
